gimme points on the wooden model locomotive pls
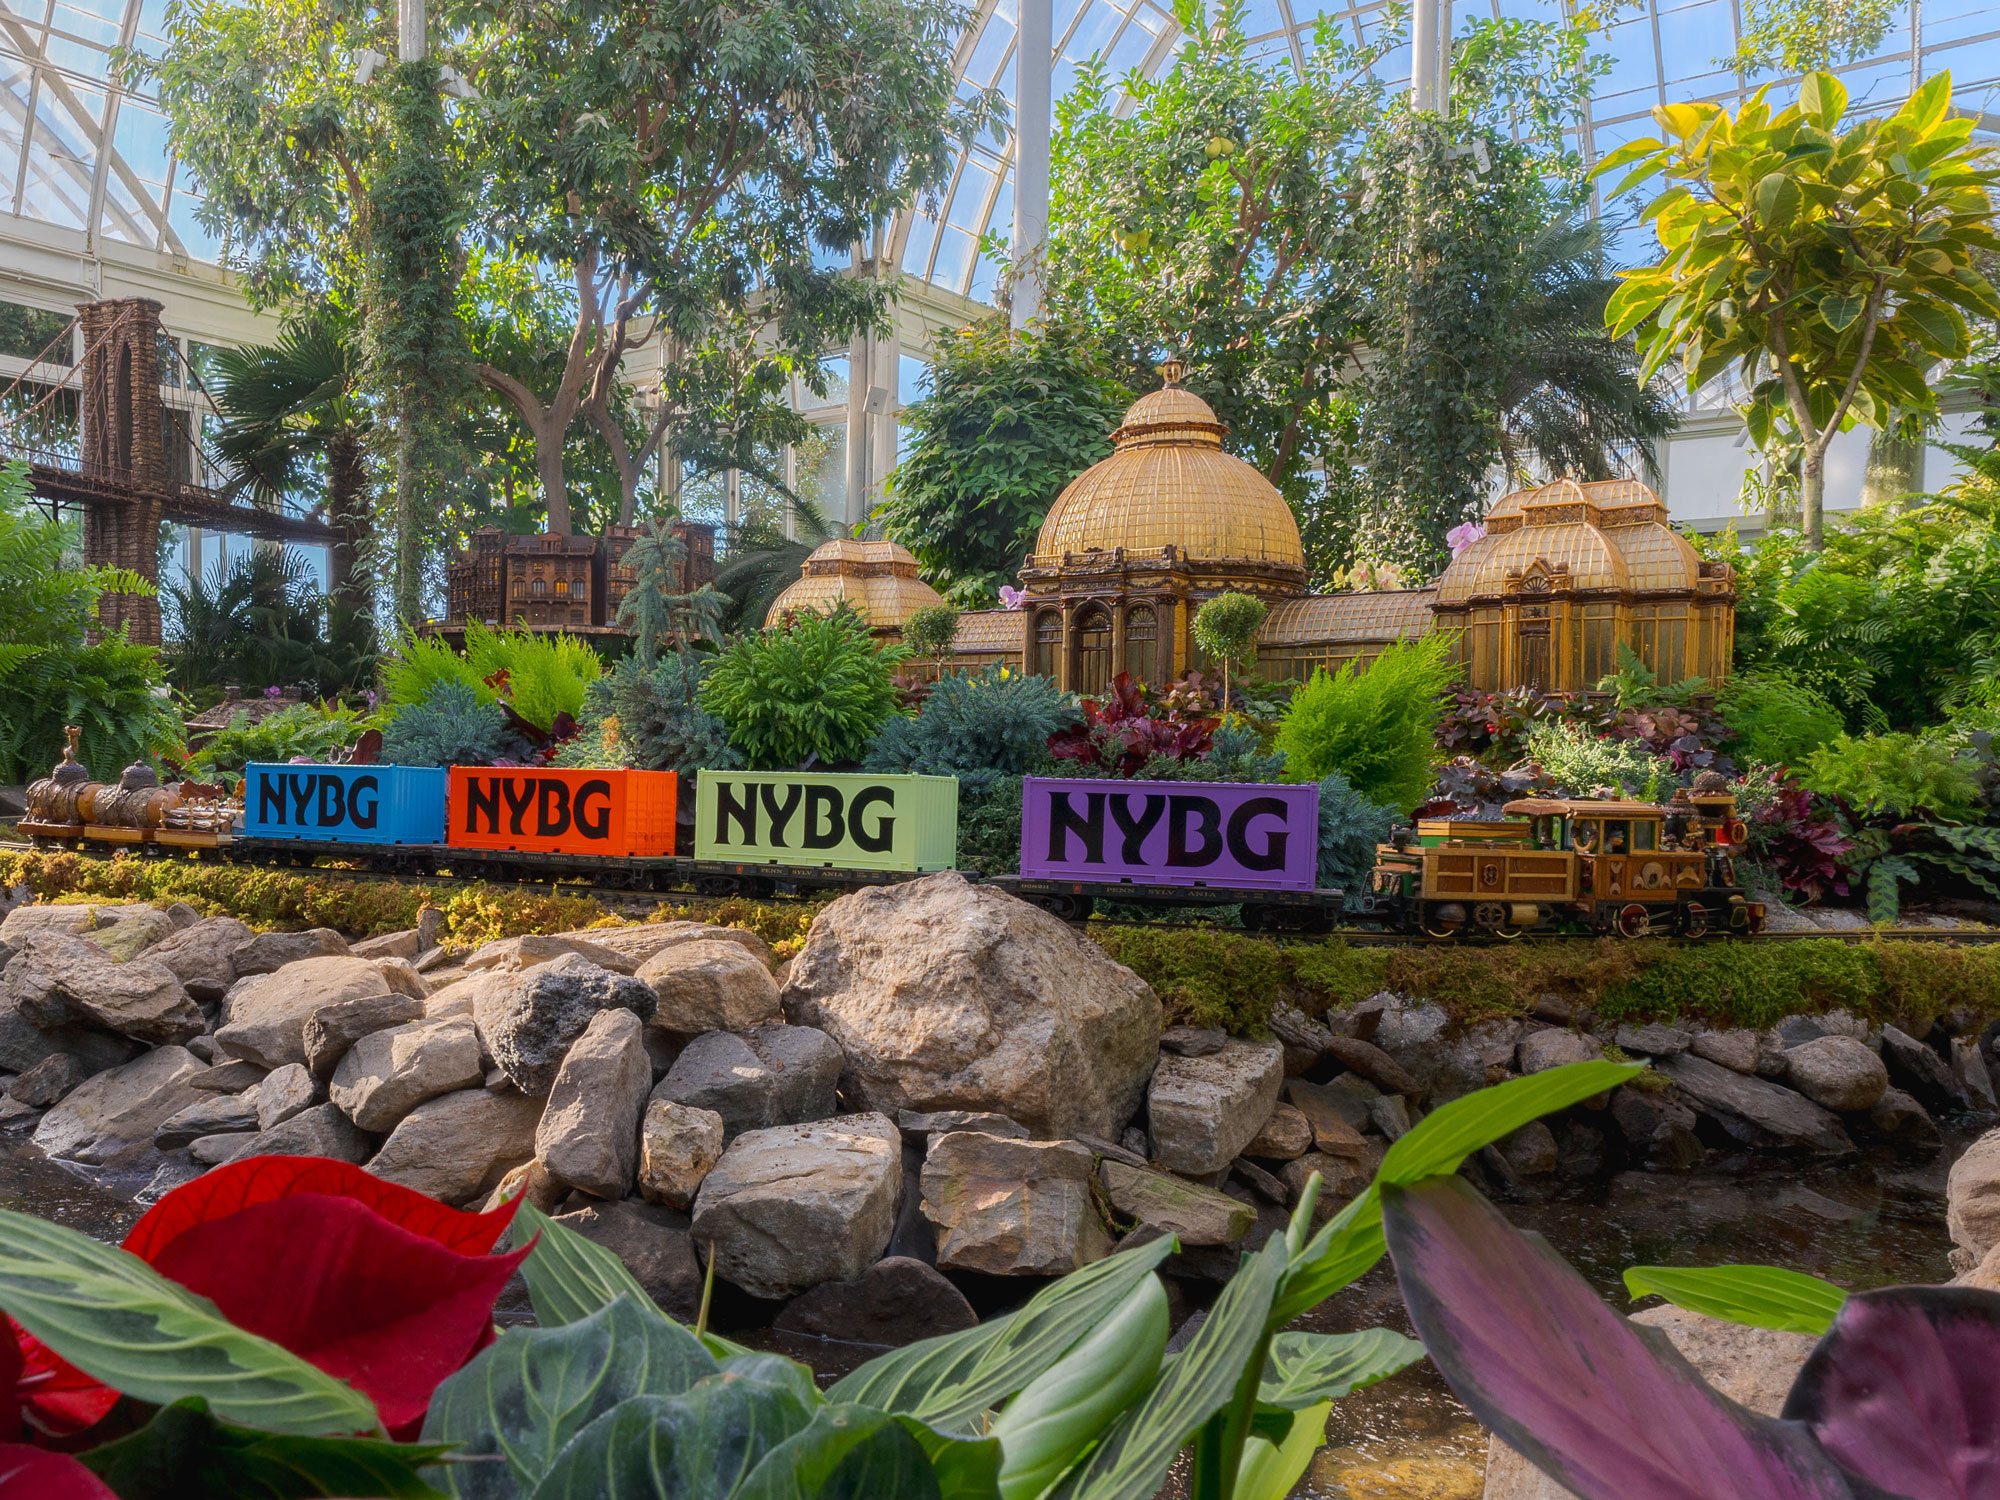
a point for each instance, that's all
(66, 806)
(1572, 864)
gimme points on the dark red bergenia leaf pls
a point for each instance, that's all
(390, 1311)
(1608, 1409)
(52, 1395)
(264, 1179)
(36, 1474)
(1904, 1390)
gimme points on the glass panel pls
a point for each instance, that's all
(1142, 631)
(1093, 650)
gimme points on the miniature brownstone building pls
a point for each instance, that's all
(569, 583)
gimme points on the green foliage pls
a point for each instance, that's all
(1010, 418)
(652, 609)
(261, 621)
(1776, 720)
(1581, 762)
(1636, 685)
(545, 675)
(451, 726)
(816, 686)
(308, 729)
(49, 678)
(1833, 268)
(1902, 775)
(651, 718)
(976, 726)
(1225, 630)
(1803, 36)
(1350, 826)
(930, 631)
(1756, 1296)
(1236, 753)
(1374, 727)
(989, 825)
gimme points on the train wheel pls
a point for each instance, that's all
(715, 885)
(1694, 920)
(1069, 908)
(1634, 921)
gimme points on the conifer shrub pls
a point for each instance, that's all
(451, 726)
(976, 726)
(1375, 727)
(651, 718)
(818, 686)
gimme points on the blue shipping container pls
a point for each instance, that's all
(345, 804)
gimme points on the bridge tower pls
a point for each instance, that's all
(123, 440)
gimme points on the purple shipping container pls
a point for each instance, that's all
(1231, 834)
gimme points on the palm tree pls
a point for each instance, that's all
(286, 405)
(1570, 397)
(761, 562)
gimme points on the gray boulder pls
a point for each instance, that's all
(231, 1077)
(201, 956)
(655, 1246)
(268, 952)
(1373, 1064)
(24, 1044)
(511, 955)
(402, 944)
(1527, 1152)
(56, 981)
(1288, 1133)
(943, 994)
(1754, 1110)
(589, 1131)
(1658, 1128)
(1899, 1118)
(1197, 1215)
(1554, 1048)
(47, 1081)
(645, 939)
(387, 1074)
(1975, 1079)
(1653, 1039)
(920, 1128)
(457, 1147)
(712, 985)
(320, 1131)
(1972, 1197)
(333, 1029)
(127, 939)
(678, 1144)
(1735, 1050)
(788, 1208)
(896, 1301)
(285, 1093)
(1012, 1208)
(264, 1017)
(1203, 1111)
(212, 1114)
(770, 1075)
(1836, 1071)
(1913, 1067)
(1198, 1041)
(528, 1019)
(72, 921)
(109, 1119)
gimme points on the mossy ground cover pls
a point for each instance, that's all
(1207, 976)
(360, 905)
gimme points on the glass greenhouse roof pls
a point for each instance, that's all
(1663, 51)
(80, 152)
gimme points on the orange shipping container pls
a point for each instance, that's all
(562, 812)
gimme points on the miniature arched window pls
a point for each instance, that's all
(562, 586)
(538, 587)
(1093, 650)
(1142, 635)
(1046, 643)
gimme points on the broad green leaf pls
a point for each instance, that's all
(772, 1369)
(847, 1453)
(1938, 328)
(524, 1397)
(1269, 1470)
(1452, 1132)
(1838, 312)
(967, 1468)
(1778, 200)
(1630, 151)
(1132, 1461)
(184, 1451)
(1681, 120)
(568, 1276)
(704, 1442)
(951, 1381)
(119, 1321)
(1304, 1368)
(1823, 98)
(1756, 1296)
(1346, 1246)
(1925, 108)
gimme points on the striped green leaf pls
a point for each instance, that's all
(1304, 1369)
(1755, 1296)
(568, 1276)
(119, 1321)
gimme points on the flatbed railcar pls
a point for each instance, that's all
(1577, 866)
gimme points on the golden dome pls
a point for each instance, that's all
(1607, 534)
(878, 578)
(1168, 483)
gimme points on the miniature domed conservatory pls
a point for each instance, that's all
(878, 578)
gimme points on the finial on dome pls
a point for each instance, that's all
(1171, 370)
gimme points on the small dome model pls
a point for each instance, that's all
(878, 578)
(1168, 483)
(1607, 535)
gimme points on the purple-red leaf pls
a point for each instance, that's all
(1904, 1390)
(1607, 1408)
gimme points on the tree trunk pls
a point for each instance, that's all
(549, 469)
(351, 590)
(1812, 493)
(409, 545)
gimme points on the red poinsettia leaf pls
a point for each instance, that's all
(52, 1395)
(238, 1185)
(390, 1311)
(36, 1474)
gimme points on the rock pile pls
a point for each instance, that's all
(945, 1083)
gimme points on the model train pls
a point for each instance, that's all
(1547, 866)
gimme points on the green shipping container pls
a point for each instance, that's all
(827, 819)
